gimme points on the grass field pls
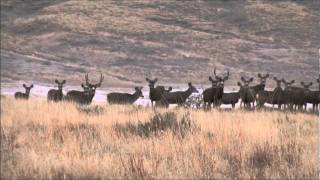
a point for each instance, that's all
(41, 140)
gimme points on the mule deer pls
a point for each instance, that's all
(311, 97)
(80, 97)
(295, 96)
(213, 95)
(20, 95)
(93, 87)
(56, 95)
(124, 98)
(155, 93)
(272, 97)
(178, 97)
(247, 94)
(86, 96)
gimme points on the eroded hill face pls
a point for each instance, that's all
(176, 41)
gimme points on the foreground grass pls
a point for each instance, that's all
(41, 141)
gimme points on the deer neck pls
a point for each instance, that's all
(186, 93)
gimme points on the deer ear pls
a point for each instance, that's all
(259, 75)
(189, 84)
(64, 81)
(267, 75)
(239, 84)
(310, 84)
(284, 81)
(210, 78)
(82, 85)
(242, 79)
(147, 79)
(302, 83)
(56, 81)
(23, 85)
(292, 81)
(31, 86)
(251, 79)
(156, 79)
(275, 78)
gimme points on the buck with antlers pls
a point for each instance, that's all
(178, 97)
(124, 98)
(56, 94)
(86, 96)
(155, 93)
(213, 95)
(20, 95)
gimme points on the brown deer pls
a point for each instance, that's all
(80, 97)
(295, 96)
(247, 94)
(20, 95)
(56, 94)
(124, 98)
(178, 97)
(155, 93)
(272, 97)
(311, 97)
(213, 95)
(86, 96)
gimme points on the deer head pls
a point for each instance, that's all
(93, 86)
(151, 82)
(214, 82)
(263, 78)
(192, 88)
(221, 79)
(287, 84)
(306, 86)
(246, 81)
(60, 84)
(139, 91)
(278, 81)
(27, 88)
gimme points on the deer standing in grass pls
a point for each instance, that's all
(20, 95)
(311, 97)
(124, 98)
(295, 96)
(177, 97)
(155, 93)
(86, 96)
(213, 95)
(247, 94)
(272, 97)
(56, 94)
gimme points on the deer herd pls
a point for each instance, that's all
(250, 96)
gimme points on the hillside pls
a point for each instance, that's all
(176, 41)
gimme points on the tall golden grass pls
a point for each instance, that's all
(41, 140)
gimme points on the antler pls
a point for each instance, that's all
(214, 71)
(87, 79)
(101, 79)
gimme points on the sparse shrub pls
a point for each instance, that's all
(91, 110)
(157, 125)
(194, 101)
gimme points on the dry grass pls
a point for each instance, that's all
(41, 141)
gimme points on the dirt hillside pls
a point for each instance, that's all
(176, 41)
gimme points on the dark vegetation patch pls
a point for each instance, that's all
(157, 125)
